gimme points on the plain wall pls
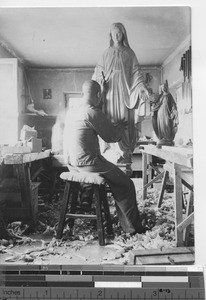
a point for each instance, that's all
(22, 88)
(68, 80)
(16, 92)
(59, 81)
(71, 80)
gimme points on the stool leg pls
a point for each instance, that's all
(100, 228)
(103, 195)
(75, 190)
(67, 191)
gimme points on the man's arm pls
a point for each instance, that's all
(109, 132)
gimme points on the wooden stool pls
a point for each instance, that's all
(73, 180)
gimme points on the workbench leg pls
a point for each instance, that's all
(189, 210)
(23, 174)
(149, 169)
(178, 204)
(164, 181)
(144, 175)
(53, 183)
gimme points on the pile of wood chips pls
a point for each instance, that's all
(160, 236)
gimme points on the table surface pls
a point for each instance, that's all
(22, 158)
(175, 154)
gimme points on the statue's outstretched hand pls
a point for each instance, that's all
(145, 93)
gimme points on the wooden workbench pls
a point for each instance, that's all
(21, 164)
(178, 162)
(23, 158)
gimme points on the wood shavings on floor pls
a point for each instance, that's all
(82, 247)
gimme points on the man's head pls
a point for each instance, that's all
(91, 92)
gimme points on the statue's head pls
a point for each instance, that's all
(120, 29)
(163, 88)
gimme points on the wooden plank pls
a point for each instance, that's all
(76, 216)
(37, 172)
(34, 185)
(74, 199)
(178, 204)
(13, 159)
(154, 180)
(144, 175)
(176, 255)
(187, 221)
(149, 169)
(187, 176)
(23, 173)
(98, 205)
(159, 203)
(168, 251)
(155, 168)
(179, 155)
(168, 166)
(15, 150)
(181, 259)
(65, 201)
(103, 196)
(190, 209)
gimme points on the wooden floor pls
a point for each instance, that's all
(45, 250)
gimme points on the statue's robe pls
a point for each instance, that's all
(165, 117)
(124, 82)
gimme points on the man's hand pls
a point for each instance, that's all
(104, 84)
(123, 123)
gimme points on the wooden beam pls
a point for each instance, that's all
(23, 173)
(190, 209)
(178, 204)
(15, 159)
(144, 175)
(65, 201)
(166, 174)
(179, 155)
(154, 180)
(76, 216)
(179, 256)
(187, 221)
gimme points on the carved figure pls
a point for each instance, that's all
(122, 81)
(164, 117)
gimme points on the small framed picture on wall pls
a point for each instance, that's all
(47, 94)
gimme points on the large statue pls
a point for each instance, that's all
(164, 117)
(120, 76)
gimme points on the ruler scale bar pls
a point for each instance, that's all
(106, 293)
(101, 282)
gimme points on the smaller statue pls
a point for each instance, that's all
(164, 117)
